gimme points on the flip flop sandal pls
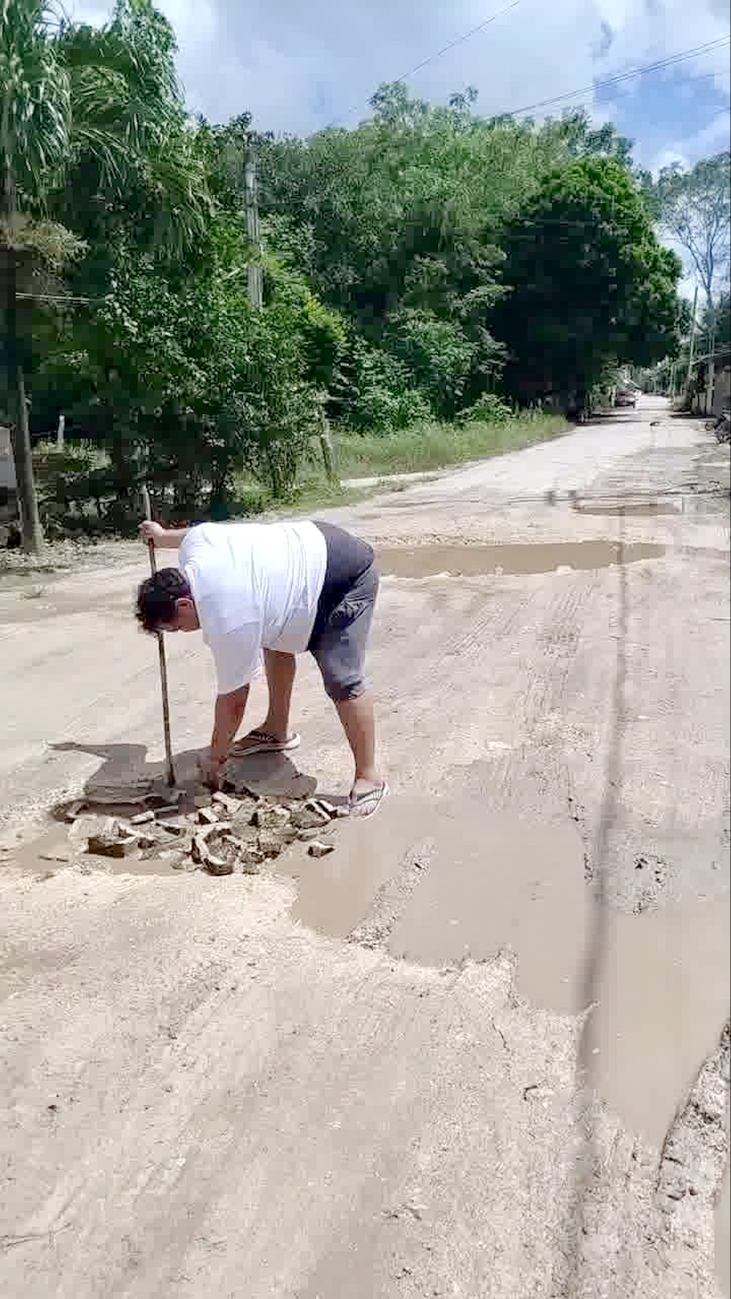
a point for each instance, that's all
(262, 742)
(372, 796)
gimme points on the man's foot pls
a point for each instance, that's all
(366, 797)
(262, 741)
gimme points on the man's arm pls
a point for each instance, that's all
(163, 538)
(228, 716)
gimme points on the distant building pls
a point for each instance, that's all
(7, 472)
(712, 384)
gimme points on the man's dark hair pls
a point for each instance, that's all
(157, 598)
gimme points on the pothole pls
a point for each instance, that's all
(542, 557)
(222, 834)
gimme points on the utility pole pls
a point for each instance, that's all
(711, 374)
(691, 346)
(251, 213)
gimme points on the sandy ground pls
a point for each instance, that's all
(357, 1078)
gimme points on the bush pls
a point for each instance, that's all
(378, 397)
(488, 409)
(436, 353)
(67, 477)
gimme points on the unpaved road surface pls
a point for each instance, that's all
(357, 1078)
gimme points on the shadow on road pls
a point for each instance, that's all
(125, 770)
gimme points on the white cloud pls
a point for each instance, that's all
(296, 67)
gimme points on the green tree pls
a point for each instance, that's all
(588, 284)
(185, 383)
(694, 209)
(103, 103)
(436, 353)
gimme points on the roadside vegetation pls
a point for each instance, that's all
(391, 297)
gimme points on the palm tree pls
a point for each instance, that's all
(34, 134)
(107, 97)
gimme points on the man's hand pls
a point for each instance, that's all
(151, 532)
(211, 771)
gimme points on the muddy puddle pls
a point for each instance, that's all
(546, 557)
(485, 881)
(56, 850)
(629, 509)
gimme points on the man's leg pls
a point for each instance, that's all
(280, 670)
(340, 652)
(359, 725)
(356, 716)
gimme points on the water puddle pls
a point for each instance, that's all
(56, 850)
(664, 998)
(492, 880)
(631, 509)
(544, 557)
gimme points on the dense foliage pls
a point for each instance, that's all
(430, 263)
(694, 209)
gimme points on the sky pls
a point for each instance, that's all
(298, 68)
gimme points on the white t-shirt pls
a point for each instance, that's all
(255, 586)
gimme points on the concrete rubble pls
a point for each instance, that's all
(222, 834)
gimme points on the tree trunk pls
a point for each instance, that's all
(18, 409)
(22, 453)
(218, 503)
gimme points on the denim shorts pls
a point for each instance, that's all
(340, 642)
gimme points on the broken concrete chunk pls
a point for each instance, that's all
(228, 804)
(270, 816)
(311, 833)
(74, 809)
(269, 843)
(198, 849)
(207, 816)
(319, 849)
(148, 841)
(218, 865)
(178, 828)
(250, 860)
(112, 845)
(142, 818)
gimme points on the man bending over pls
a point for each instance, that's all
(275, 589)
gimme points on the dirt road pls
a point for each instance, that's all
(357, 1078)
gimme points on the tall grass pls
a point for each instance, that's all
(428, 446)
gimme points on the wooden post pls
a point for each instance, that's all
(251, 213)
(60, 432)
(328, 451)
(170, 772)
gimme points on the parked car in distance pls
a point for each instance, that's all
(625, 398)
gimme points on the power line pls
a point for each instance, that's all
(480, 27)
(670, 61)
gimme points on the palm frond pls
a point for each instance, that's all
(35, 97)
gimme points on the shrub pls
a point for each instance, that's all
(488, 409)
